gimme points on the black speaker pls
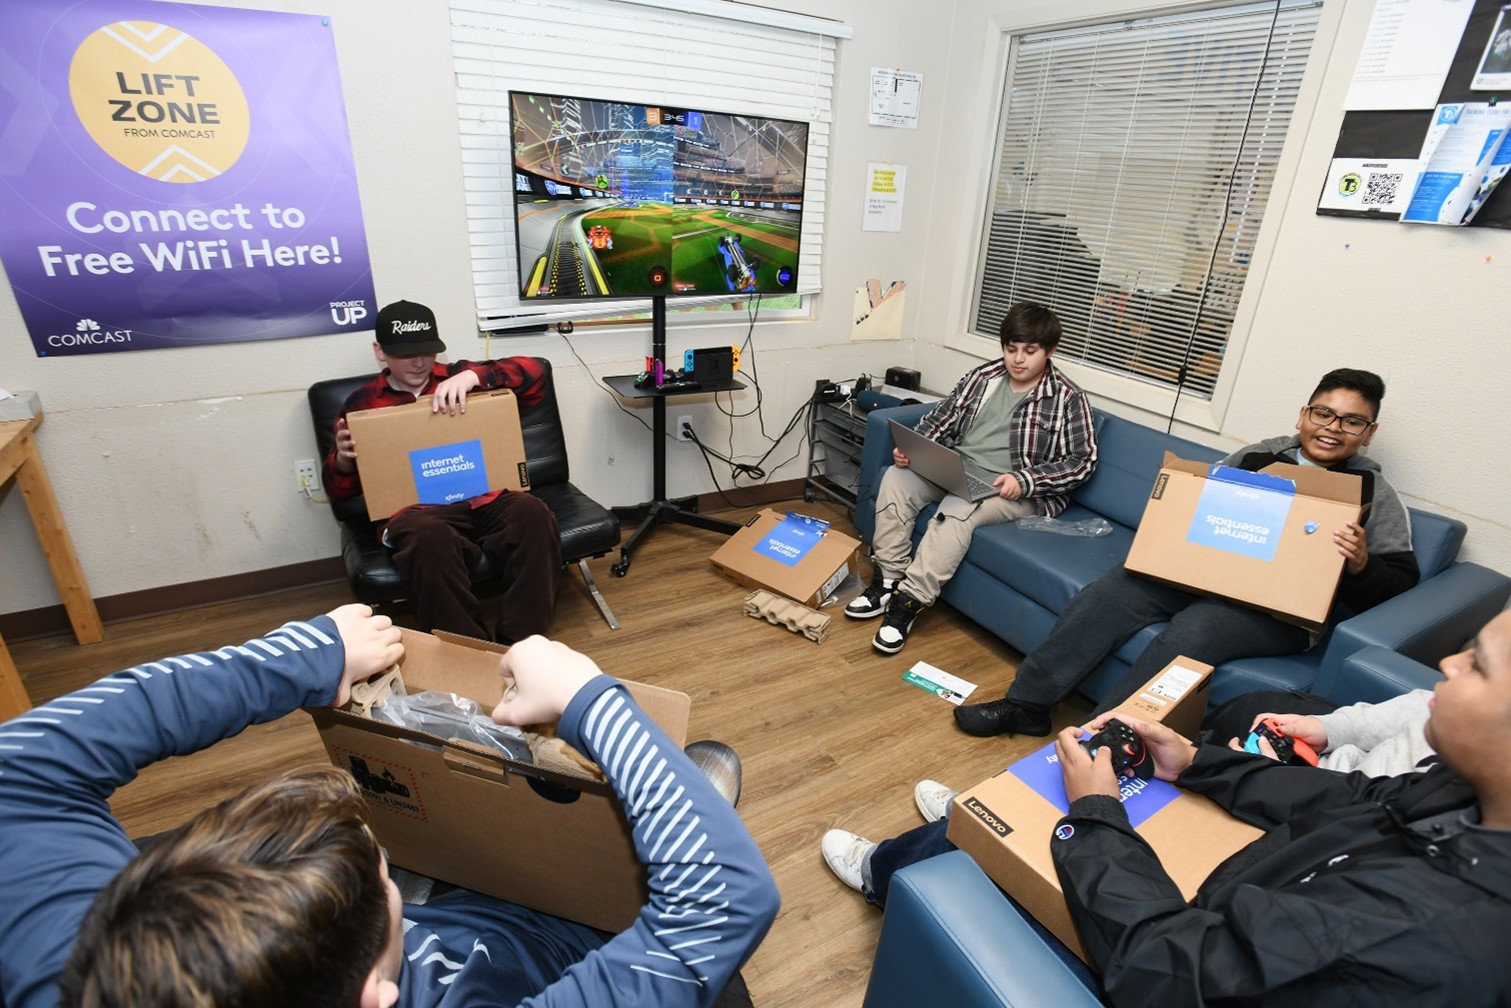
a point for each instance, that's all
(903, 378)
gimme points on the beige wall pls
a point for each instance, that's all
(1419, 305)
(175, 466)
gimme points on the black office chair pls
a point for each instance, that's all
(588, 529)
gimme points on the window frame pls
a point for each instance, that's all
(1121, 393)
(482, 116)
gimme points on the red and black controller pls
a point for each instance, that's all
(1130, 757)
(1293, 751)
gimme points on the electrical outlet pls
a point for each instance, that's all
(306, 476)
(684, 427)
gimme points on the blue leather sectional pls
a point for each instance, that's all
(949, 935)
(1015, 582)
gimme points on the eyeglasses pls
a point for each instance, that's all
(1351, 423)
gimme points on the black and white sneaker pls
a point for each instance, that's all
(902, 610)
(873, 601)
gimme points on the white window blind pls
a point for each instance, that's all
(1136, 159)
(719, 56)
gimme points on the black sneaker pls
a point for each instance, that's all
(1001, 717)
(873, 601)
(902, 610)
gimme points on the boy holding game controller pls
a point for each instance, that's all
(1397, 889)
(1377, 739)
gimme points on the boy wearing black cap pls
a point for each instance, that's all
(436, 546)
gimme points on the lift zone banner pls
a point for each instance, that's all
(175, 175)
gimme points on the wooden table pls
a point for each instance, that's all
(22, 460)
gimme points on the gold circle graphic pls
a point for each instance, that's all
(159, 101)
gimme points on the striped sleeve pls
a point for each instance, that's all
(61, 761)
(712, 897)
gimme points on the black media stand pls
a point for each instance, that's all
(658, 509)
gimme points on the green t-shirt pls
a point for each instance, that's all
(988, 443)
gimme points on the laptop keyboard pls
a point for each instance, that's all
(979, 488)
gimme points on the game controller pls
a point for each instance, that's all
(1293, 751)
(1130, 757)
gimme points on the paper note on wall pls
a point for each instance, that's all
(878, 311)
(885, 184)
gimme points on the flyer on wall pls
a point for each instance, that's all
(1463, 159)
(176, 175)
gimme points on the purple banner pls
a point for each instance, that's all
(175, 175)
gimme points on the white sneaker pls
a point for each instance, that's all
(846, 855)
(873, 601)
(933, 799)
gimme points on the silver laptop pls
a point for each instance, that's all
(944, 466)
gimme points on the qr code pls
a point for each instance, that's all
(1381, 188)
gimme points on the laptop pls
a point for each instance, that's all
(944, 466)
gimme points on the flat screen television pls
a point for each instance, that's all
(614, 199)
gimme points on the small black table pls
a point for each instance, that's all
(658, 509)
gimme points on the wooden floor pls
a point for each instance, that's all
(829, 734)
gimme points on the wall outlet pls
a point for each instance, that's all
(684, 424)
(306, 476)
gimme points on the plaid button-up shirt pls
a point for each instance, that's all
(1054, 446)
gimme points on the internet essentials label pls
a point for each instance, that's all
(792, 538)
(446, 474)
(1242, 512)
(1040, 770)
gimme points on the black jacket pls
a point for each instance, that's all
(1365, 891)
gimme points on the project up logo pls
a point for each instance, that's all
(348, 313)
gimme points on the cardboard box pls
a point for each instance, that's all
(466, 814)
(792, 555)
(1005, 823)
(1176, 696)
(1264, 539)
(409, 455)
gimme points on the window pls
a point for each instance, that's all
(709, 54)
(1135, 162)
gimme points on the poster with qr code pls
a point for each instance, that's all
(1383, 185)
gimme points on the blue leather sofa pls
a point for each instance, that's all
(950, 937)
(1015, 582)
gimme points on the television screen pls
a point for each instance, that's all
(619, 200)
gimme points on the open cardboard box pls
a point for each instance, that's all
(804, 560)
(466, 814)
(1264, 539)
(409, 455)
(1005, 823)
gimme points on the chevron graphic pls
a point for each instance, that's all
(145, 43)
(174, 163)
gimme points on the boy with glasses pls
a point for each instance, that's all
(1338, 420)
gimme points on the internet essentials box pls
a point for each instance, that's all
(793, 555)
(466, 814)
(409, 455)
(1264, 539)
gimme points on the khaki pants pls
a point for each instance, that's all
(899, 499)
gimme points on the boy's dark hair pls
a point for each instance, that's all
(1368, 384)
(274, 897)
(1030, 322)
